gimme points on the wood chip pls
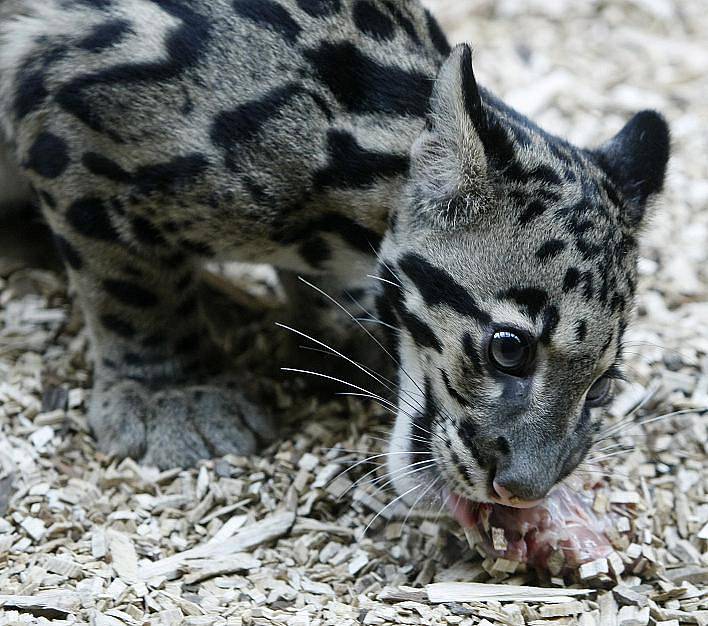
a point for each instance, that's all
(65, 603)
(123, 556)
(261, 532)
(633, 616)
(471, 592)
(592, 569)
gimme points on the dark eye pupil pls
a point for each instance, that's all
(508, 351)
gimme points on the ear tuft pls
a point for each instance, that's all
(635, 159)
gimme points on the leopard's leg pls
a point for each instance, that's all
(159, 394)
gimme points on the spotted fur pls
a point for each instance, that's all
(336, 138)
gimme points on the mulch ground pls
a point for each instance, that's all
(273, 539)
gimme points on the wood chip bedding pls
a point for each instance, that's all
(276, 539)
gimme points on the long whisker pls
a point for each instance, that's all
(617, 428)
(386, 265)
(372, 337)
(368, 460)
(418, 499)
(392, 478)
(392, 474)
(379, 513)
(383, 280)
(356, 364)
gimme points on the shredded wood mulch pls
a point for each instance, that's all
(277, 539)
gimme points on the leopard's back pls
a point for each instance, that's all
(273, 113)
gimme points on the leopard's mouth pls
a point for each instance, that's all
(562, 524)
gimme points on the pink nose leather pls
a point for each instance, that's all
(505, 497)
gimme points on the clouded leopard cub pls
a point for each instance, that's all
(335, 138)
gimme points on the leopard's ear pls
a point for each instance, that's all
(635, 159)
(449, 167)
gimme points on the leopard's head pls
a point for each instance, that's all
(508, 276)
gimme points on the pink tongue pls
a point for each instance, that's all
(563, 521)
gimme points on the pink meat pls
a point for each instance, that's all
(563, 521)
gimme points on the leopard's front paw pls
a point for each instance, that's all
(176, 426)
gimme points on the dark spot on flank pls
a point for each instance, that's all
(89, 217)
(437, 287)
(131, 294)
(369, 86)
(356, 235)
(350, 165)
(270, 16)
(422, 334)
(322, 105)
(530, 298)
(106, 168)
(550, 249)
(551, 318)
(238, 126)
(371, 21)
(117, 325)
(105, 36)
(320, 8)
(437, 36)
(48, 155)
(68, 253)
(534, 209)
(146, 232)
(170, 175)
(30, 92)
(571, 280)
(588, 290)
(183, 47)
(315, 251)
(581, 331)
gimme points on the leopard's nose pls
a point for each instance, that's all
(505, 496)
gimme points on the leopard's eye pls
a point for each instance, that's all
(511, 352)
(600, 392)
